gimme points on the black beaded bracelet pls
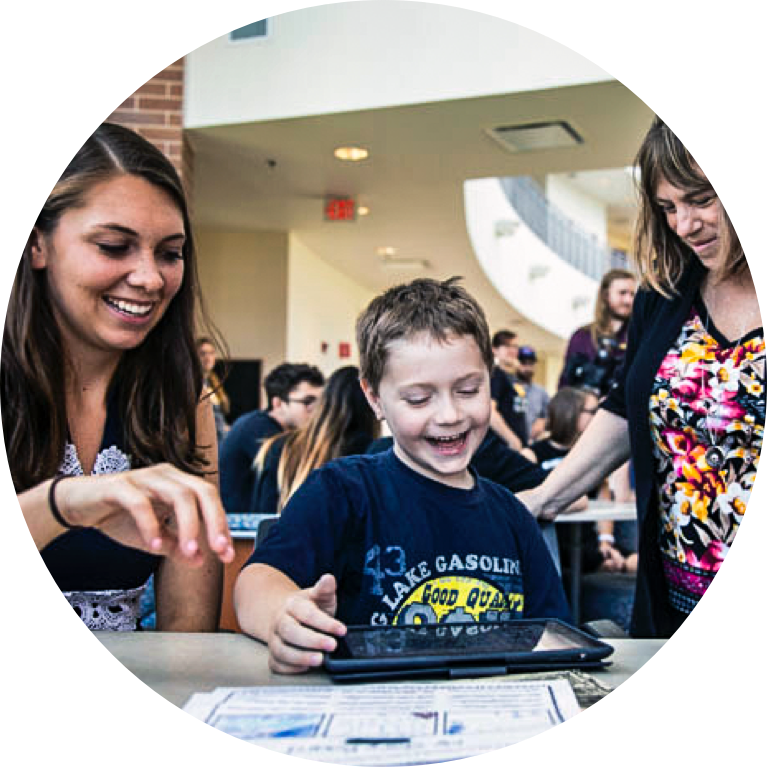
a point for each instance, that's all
(57, 515)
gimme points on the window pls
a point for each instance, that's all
(258, 29)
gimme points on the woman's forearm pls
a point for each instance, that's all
(38, 516)
(603, 447)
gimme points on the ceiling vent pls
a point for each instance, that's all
(535, 137)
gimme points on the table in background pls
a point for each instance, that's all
(597, 511)
(178, 665)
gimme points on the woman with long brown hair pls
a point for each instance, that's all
(689, 404)
(112, 449)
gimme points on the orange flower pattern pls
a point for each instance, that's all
(706, 394)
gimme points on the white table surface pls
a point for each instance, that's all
(178, 665)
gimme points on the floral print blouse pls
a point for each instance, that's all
(707, 412)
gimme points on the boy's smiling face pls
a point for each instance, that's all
(435, 398)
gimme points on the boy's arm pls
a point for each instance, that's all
(297, 624)
(259, 592)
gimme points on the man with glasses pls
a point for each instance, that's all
(292, 390)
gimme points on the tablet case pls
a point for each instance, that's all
(589, 654)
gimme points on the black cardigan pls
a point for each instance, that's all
(655, 324)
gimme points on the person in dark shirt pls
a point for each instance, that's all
(292, 391)
(595, 351)
(412, 534)
(508, 418)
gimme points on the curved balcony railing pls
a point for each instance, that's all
(572, 244)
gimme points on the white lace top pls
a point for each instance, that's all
(113, 609)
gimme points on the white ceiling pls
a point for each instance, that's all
(274, 176)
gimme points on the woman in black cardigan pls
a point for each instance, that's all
(689, 404)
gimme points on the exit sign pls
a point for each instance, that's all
(340, 209)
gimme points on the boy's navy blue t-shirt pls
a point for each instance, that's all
(405, 548)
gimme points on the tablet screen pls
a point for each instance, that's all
(462, 638)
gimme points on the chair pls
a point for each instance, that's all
(253, 529)
(264, 527)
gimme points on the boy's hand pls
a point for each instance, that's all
(303, 628)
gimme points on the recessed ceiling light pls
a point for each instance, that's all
(387, 252)
(363, 210)
(351, 153)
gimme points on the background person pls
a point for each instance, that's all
(508, 418)
(292, 392)
(213, 386)
(595, 351)
(536, 397)
(569, 414)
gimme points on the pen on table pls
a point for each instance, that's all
(374, 741)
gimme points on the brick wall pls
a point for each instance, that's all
(155, 111)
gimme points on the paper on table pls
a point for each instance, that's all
(409, 723)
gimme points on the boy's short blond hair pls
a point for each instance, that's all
(439, 308)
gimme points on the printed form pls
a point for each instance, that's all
(387, 724)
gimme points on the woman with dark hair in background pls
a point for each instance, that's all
(111, 450)
(569, 413)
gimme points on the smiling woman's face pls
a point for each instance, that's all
(695, 217)
(113, 265)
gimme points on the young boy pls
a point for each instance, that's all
(412, 534)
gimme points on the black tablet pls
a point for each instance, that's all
(465, 649)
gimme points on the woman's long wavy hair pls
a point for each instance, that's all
(661, 257)
(342, 414)
(158, 384)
